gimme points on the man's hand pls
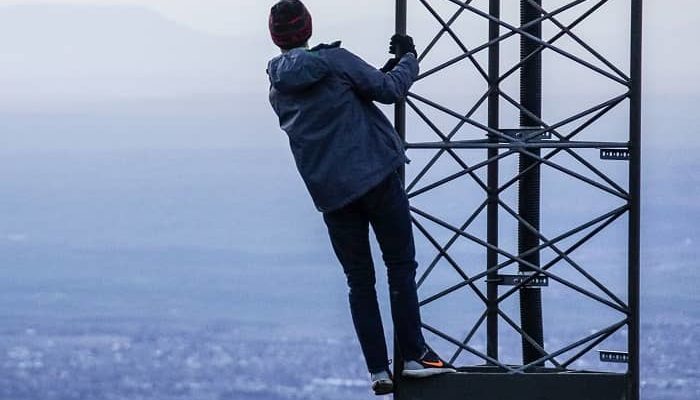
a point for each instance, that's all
(389, 65)
(401, 45)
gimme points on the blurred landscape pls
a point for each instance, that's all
(192, 274)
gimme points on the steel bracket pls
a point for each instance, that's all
(512, 280)
(614, 154)
(614, 356)
(524, 133)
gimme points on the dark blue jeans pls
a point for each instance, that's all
(385, 208)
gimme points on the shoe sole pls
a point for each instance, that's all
(383, 387)
(425, 372)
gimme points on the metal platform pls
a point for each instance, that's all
(483, 383)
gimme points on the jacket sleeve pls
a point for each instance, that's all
(373, 84)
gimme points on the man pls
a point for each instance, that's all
(348, 153)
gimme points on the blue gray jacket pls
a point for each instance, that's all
(342, 143)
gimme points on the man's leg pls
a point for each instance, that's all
(391, 222)
(348, 229)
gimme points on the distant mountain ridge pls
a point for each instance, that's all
(113, 49)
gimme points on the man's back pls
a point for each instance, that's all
(342, 143)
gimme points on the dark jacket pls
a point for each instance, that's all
(342, 143)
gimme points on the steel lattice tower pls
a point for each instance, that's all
(549, 185)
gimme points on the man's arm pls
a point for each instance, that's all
(375, 85)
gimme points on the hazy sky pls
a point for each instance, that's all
(244, 16)
(173, 57)
(235, 17)
(363, 25)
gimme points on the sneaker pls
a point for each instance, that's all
(428, 365)
(382, 382)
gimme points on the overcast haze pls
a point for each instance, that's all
(208, 57)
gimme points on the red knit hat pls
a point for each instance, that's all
(290, 24)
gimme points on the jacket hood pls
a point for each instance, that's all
(296, 70)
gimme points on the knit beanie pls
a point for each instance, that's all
(290, 24)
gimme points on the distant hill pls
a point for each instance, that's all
(115, 51)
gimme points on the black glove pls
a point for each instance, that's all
(401, 45)
(389, 65)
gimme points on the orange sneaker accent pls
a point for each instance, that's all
(434, 364)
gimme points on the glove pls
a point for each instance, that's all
(401, 45)
(389, 65)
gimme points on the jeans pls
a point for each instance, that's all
(385, 208)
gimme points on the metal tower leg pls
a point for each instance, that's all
(492, 210)
(529, 185)
(400, 107)
(635, 195)
(400, 125)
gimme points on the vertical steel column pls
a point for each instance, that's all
(529, 183)
(492, 208)
(635, 193)
(400, 107)
(400, 125)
